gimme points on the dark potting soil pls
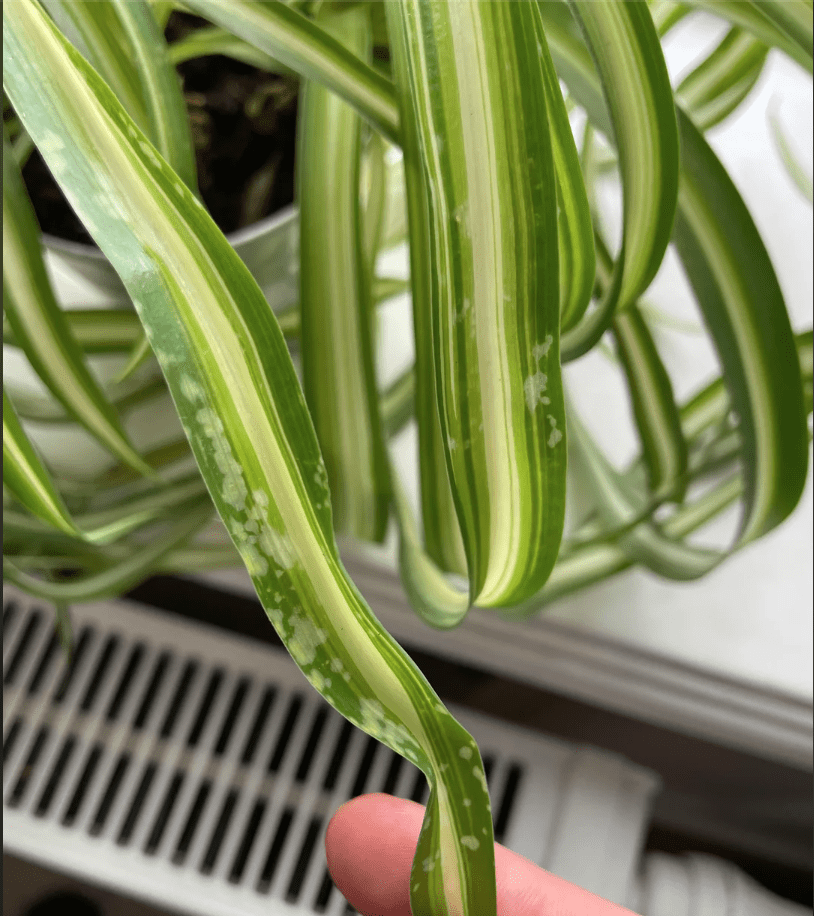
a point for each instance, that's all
(243, 123)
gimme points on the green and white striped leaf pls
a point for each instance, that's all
(575, 229)
(629, 60)
(335, 300)
(784, 24)
(160, 88)
(471, 82)
(26, 476)
(645, 543)
(743, 306)
(237, 393)
(123, 396)
(798, 175)
(442, 533)
(585, 566)
(118, 576)
(123, 41)
(657, 418)
(214, 40)
(718, 85)
(666, 14)
(299, 43)
(737, 290)
(95, 330)
(40, 327)
(94, 30)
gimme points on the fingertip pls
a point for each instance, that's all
(369, 844)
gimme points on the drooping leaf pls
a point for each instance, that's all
(26, 476)
(737, 290)
(490, 243)
(593, 563)
(657, 419)
(237, 393)
(40, 327)
(718, 85)
(575, 230)
(335, 304)
(442, 533)
(623, 41)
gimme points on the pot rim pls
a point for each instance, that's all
(239, 237)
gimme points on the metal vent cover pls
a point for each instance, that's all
(197, 770)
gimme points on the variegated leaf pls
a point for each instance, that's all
(238, 396)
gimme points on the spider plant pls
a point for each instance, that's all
(511, 277)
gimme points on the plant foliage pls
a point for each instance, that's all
(511, 277)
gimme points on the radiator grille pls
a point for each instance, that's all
(198, 770)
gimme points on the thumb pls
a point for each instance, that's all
(370, 843)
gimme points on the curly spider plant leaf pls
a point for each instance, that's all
(485, 230)
(742, 304)
(623, 41)
(238, 396)
(743, 307)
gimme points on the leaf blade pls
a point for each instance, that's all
(335, 301)
(40, 327)
(494, 319)
(302, 45)
(742, 304)
(624, 43)
(237, 393)
(657, 417)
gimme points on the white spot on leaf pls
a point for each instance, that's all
(541, 350)
(190, 389)
(234, 490)
(534, 386)
(305, 639)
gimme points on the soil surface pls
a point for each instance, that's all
(243, 123)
